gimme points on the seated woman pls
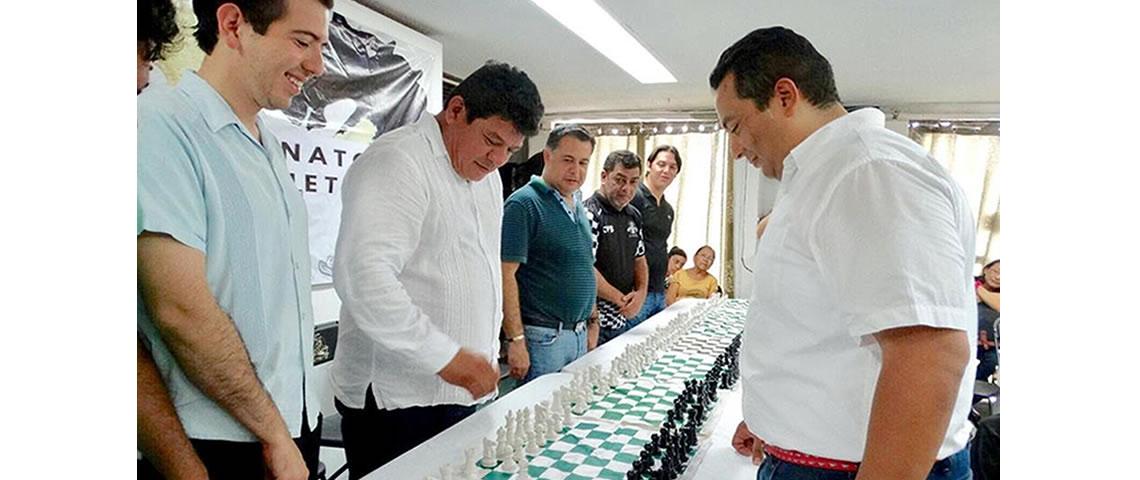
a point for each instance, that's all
(677, 259)
(987, 286)
(695, 282)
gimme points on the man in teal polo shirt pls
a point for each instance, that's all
(223, 258)
(548, 262)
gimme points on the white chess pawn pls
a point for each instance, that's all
(445, 473)
(488, 460)
(469, 472)
(532, 442)
(524, 469)
(509, 464)
(503, 450)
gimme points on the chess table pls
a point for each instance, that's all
(605, 440)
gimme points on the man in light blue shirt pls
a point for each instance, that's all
(223, 259)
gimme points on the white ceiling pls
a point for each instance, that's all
(889, 53)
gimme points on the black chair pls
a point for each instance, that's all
(986, 401)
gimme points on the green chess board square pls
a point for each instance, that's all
(598, 435)
(597, 462)
(607, 446)
(583, 449)
(564, 466)
(625, 457)
(611, 474)
(575, 476)
(552, 454)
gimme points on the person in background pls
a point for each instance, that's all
(987, 288)
(695, 282)
(161, 438)
(548, 262)
(620, 267)
(418, 268)
(677, 259)
(222, 238)
(663, 165)
(855, 351)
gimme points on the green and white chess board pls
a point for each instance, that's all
(606, 440)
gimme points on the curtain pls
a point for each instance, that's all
(698, 194)
(971, 152)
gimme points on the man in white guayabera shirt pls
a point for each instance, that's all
(417, 268)
(856, 352)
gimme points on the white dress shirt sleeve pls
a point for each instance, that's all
(884, 239)
(385, 199)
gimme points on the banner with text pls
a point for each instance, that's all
(373, 83)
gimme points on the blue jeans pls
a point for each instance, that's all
(956, 467)
(553, 348)
(654, 302)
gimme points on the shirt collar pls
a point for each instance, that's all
(806, 155)
(214, 108)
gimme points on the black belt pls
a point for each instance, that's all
(539, 322)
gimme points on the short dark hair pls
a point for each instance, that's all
(664, 148)
(569, 129)
(627, 159)
(157, 28)
(677, 251)
(499, 89)
(698, 252)
(768, 54)
(259, 13)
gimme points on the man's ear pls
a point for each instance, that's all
(230, 20)
(455, 111)
(786, 96)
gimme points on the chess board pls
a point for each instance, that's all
(606, 440)
(588, 450)
(714, 332)
(638, 401)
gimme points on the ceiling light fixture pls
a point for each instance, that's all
(590, 22)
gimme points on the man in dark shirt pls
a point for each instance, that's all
(657, 221)
(620, 268)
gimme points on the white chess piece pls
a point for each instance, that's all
(503, 450)
(445, 473)
(469, 472)
(532, 442)
(488, 460)
(524, 469)
(509, 464)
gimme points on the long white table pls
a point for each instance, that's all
(715, 458)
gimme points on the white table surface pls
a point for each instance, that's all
(715, 458)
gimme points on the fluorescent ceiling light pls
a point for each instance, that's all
(590, 22)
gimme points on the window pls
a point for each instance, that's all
(970, 150)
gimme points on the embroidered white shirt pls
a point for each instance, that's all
(417, 271)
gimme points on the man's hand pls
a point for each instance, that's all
(283, 460)
(628, 305)
(747, 444)
(472, 372)
(518, 358)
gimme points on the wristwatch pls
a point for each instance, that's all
(516, 338)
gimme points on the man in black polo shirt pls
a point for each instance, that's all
(619, 254)
(657, 221)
